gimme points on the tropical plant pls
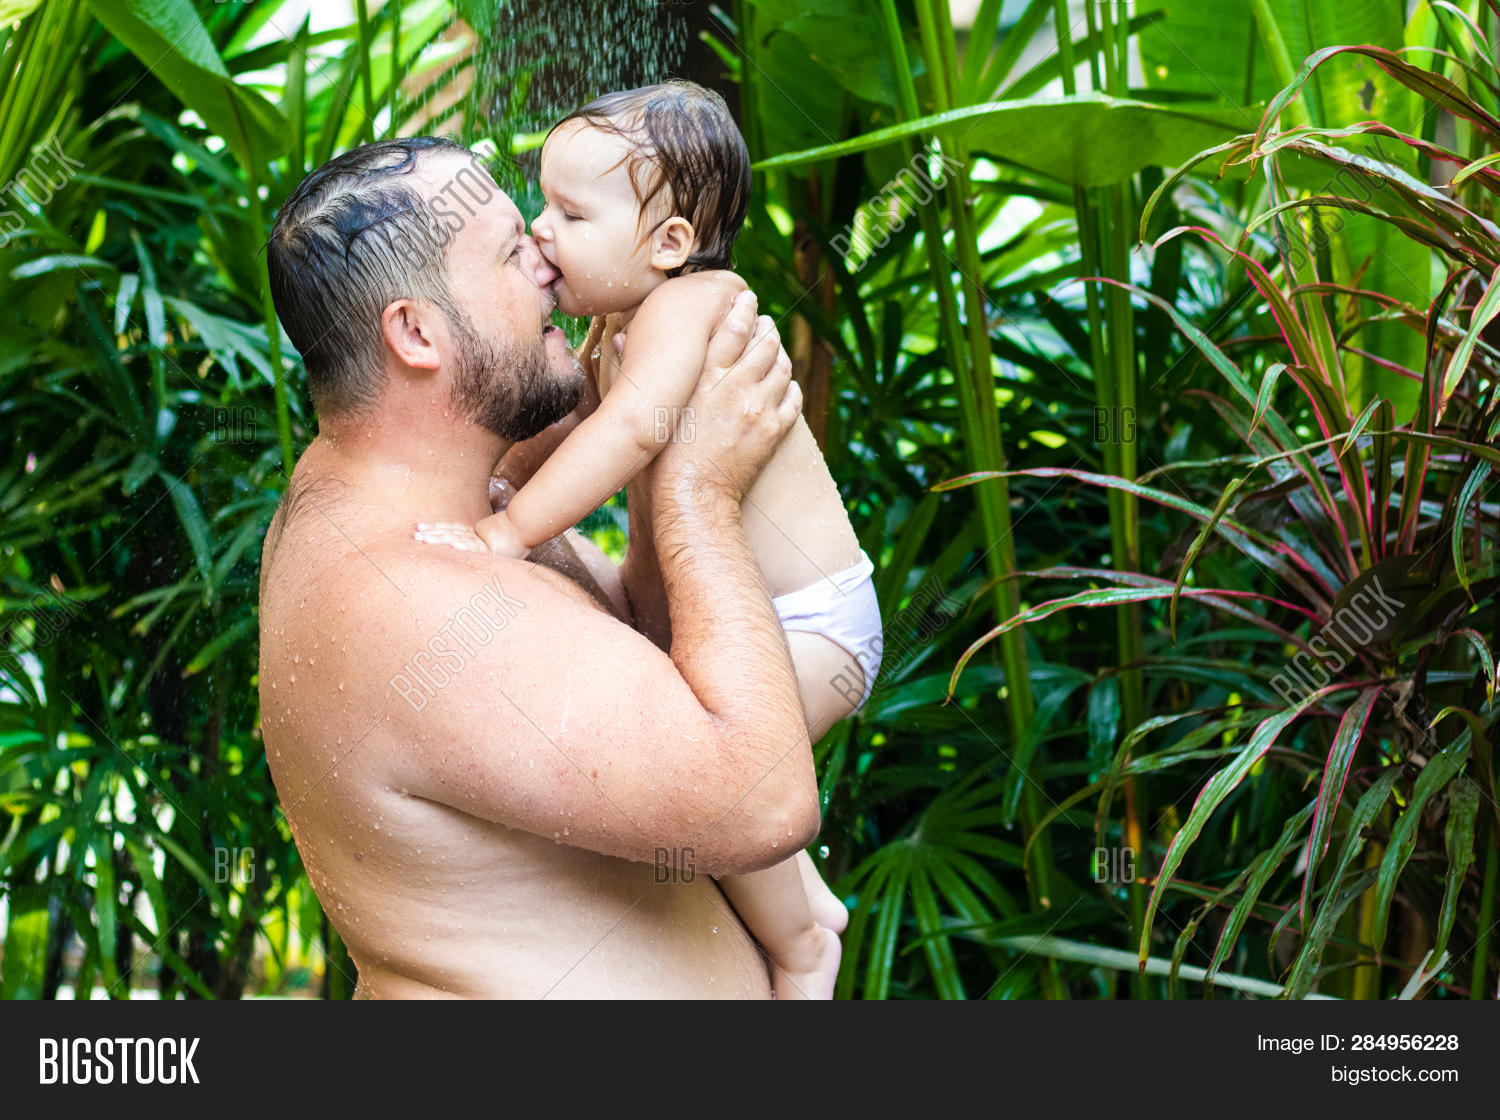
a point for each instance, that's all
(945, 220)
(152, 409)
(1388, 709)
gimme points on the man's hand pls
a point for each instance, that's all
(744, 404)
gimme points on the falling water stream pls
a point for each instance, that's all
(542, 60)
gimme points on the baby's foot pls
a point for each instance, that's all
(808, 968)
(451, 534)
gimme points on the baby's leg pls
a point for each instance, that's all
(824, 670)
(789, 908)
(774, 904)
(826, 908)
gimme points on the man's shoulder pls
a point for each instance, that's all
(426, 581)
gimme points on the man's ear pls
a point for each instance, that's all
(672, 244)
(406, 327)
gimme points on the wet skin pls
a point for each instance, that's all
(494, 835)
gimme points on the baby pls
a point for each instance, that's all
(646, 191)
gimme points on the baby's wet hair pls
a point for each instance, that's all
(686, 143)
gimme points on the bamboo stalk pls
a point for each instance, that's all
(367, 127)
(979, 414)
(273, 328)
(1114, 392)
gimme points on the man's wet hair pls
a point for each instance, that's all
(355, 235)
(688, 145)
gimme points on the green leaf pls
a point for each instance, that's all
(13, 11)
(170, 40)
(1104, 713)
(56, 262)
(1486, 657)
(1484, 311)
(1337, 897)
(1460, 519)
(210, 652)
(1261, 870)
(1335, 772)
(841, 37)
(1263, 398)
(124, 296)
(1463, 808)
(26, 938)
(1214, 792)
(1440, 769)
(1108, 138)
(191, 516)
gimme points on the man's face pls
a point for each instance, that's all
(513, 372)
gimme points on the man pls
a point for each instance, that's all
(486, 771)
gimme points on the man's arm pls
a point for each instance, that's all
(569, 725)
(640, 573)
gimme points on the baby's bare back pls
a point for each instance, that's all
(794, 517)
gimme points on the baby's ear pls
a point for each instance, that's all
(672, 244)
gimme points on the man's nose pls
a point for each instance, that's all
(542, 272)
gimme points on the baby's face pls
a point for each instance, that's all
(592, 230)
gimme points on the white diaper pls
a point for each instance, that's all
(841, 607)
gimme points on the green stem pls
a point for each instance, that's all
(1301, 261)
(1103, 241)
(368, 127)
(273, 329)
(1486, 913)
(969, 352)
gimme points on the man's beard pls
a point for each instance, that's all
(512, 391)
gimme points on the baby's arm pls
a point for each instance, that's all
(668, 340)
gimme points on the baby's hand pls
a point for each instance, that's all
(494, 535)
(450, 533)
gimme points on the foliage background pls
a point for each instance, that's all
(1280, 439)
